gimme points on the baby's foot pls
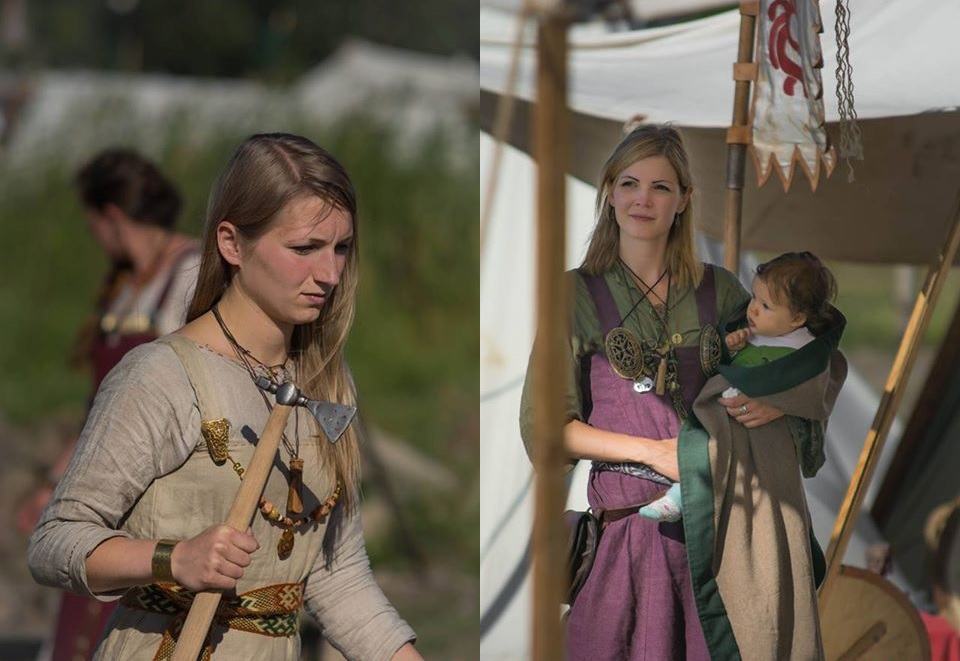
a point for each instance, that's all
(665, 508)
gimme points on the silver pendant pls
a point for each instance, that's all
(643, 385)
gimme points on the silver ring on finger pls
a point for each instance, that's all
(743, 410)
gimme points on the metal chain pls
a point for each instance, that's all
(851, 139)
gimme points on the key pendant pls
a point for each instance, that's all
(285, 545)
(295, 494)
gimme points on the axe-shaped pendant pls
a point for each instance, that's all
(333, 418)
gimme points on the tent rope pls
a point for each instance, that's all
(504, 117)
(851, 139)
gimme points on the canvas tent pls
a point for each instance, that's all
(897, 210)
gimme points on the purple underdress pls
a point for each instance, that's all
(637, 603)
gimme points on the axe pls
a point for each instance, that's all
(333, 419)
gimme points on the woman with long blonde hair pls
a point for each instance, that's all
(162, 454)
(643, 341)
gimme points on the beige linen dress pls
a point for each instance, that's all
(141, 470)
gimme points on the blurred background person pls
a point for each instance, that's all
(942, 538)
(131, 210)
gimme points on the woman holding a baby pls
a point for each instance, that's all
(651, 328)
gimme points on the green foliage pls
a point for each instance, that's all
(873, 317)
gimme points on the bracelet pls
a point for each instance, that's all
(160, 563)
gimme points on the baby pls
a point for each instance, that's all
(788, 309)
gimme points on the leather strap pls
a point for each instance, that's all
(608, 315)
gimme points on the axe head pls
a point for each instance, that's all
(333, 418)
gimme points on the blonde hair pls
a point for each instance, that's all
(265, 173)
(642, 142)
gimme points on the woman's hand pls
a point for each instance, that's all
(737, 339)
(750, 412)
(213, 560)
(585, 442)
(661, 456)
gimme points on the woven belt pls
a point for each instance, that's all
(273, 610)
(636, 470)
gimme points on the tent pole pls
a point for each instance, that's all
(892, 394)
(738, 136)
(550, 141)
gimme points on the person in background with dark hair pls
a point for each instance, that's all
(131, 210)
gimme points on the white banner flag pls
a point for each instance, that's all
(787, 115)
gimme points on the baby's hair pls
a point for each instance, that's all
(800, 281)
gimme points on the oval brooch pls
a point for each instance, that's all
(709, 350)
(624, 352)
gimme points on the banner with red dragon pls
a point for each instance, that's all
(787, 114)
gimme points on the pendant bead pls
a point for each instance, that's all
(285, 545)
(294, 495)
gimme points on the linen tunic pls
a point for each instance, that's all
(141, 470)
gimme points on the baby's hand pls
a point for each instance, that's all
(738, 339)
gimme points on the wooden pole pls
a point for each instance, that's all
(550, 139)
(892, 394)
(205, 604)
(738, 136)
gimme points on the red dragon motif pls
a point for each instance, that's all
(781, 14)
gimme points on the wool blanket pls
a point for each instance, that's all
(754, 561)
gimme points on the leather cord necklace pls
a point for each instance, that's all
(295, 495)
(664, 345)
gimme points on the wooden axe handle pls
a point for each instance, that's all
(204, 605)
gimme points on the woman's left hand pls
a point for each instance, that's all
(750, 412)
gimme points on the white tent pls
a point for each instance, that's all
(904, 58)
(911, 134)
